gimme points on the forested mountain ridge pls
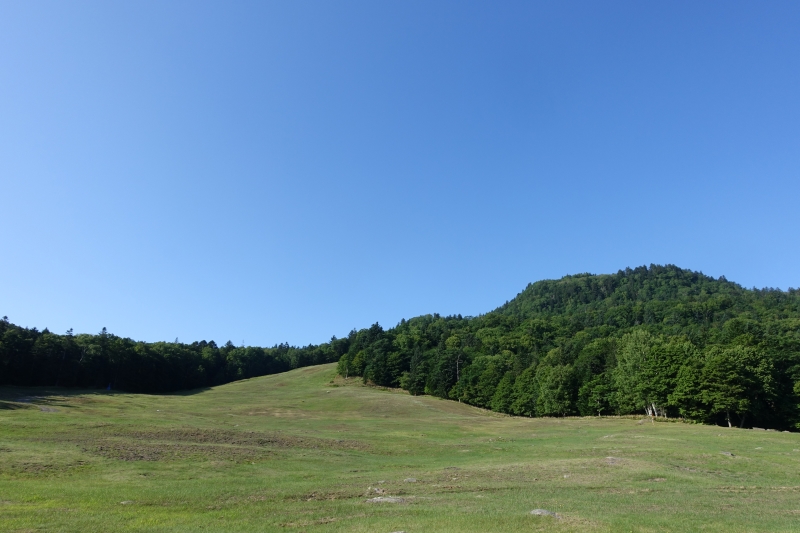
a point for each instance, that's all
(658, 340)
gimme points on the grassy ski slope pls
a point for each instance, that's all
(304, 451)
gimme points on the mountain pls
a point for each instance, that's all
(660, 340)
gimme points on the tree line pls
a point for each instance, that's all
(29, 357)
(661, 341)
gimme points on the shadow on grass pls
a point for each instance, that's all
(12, 392)
(11, 406)
(13, 397)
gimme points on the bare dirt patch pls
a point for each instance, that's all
(40, 468)
(306, 523)
(214, 444)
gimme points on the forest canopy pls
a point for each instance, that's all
(662, 341)
(29, 357)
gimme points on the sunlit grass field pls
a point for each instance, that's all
(305, 451)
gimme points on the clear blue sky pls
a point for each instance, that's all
(286, 171)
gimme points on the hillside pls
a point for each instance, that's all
(659, 340)
(306, 451)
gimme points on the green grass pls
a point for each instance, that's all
(303, 452)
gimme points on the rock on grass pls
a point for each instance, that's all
(545, 512)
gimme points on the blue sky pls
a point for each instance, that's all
(286, 171)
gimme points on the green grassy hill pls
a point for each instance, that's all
(657, 340)
(306, 450)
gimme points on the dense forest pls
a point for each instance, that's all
(29, 357)
(661, 341)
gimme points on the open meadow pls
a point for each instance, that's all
(305, 451)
